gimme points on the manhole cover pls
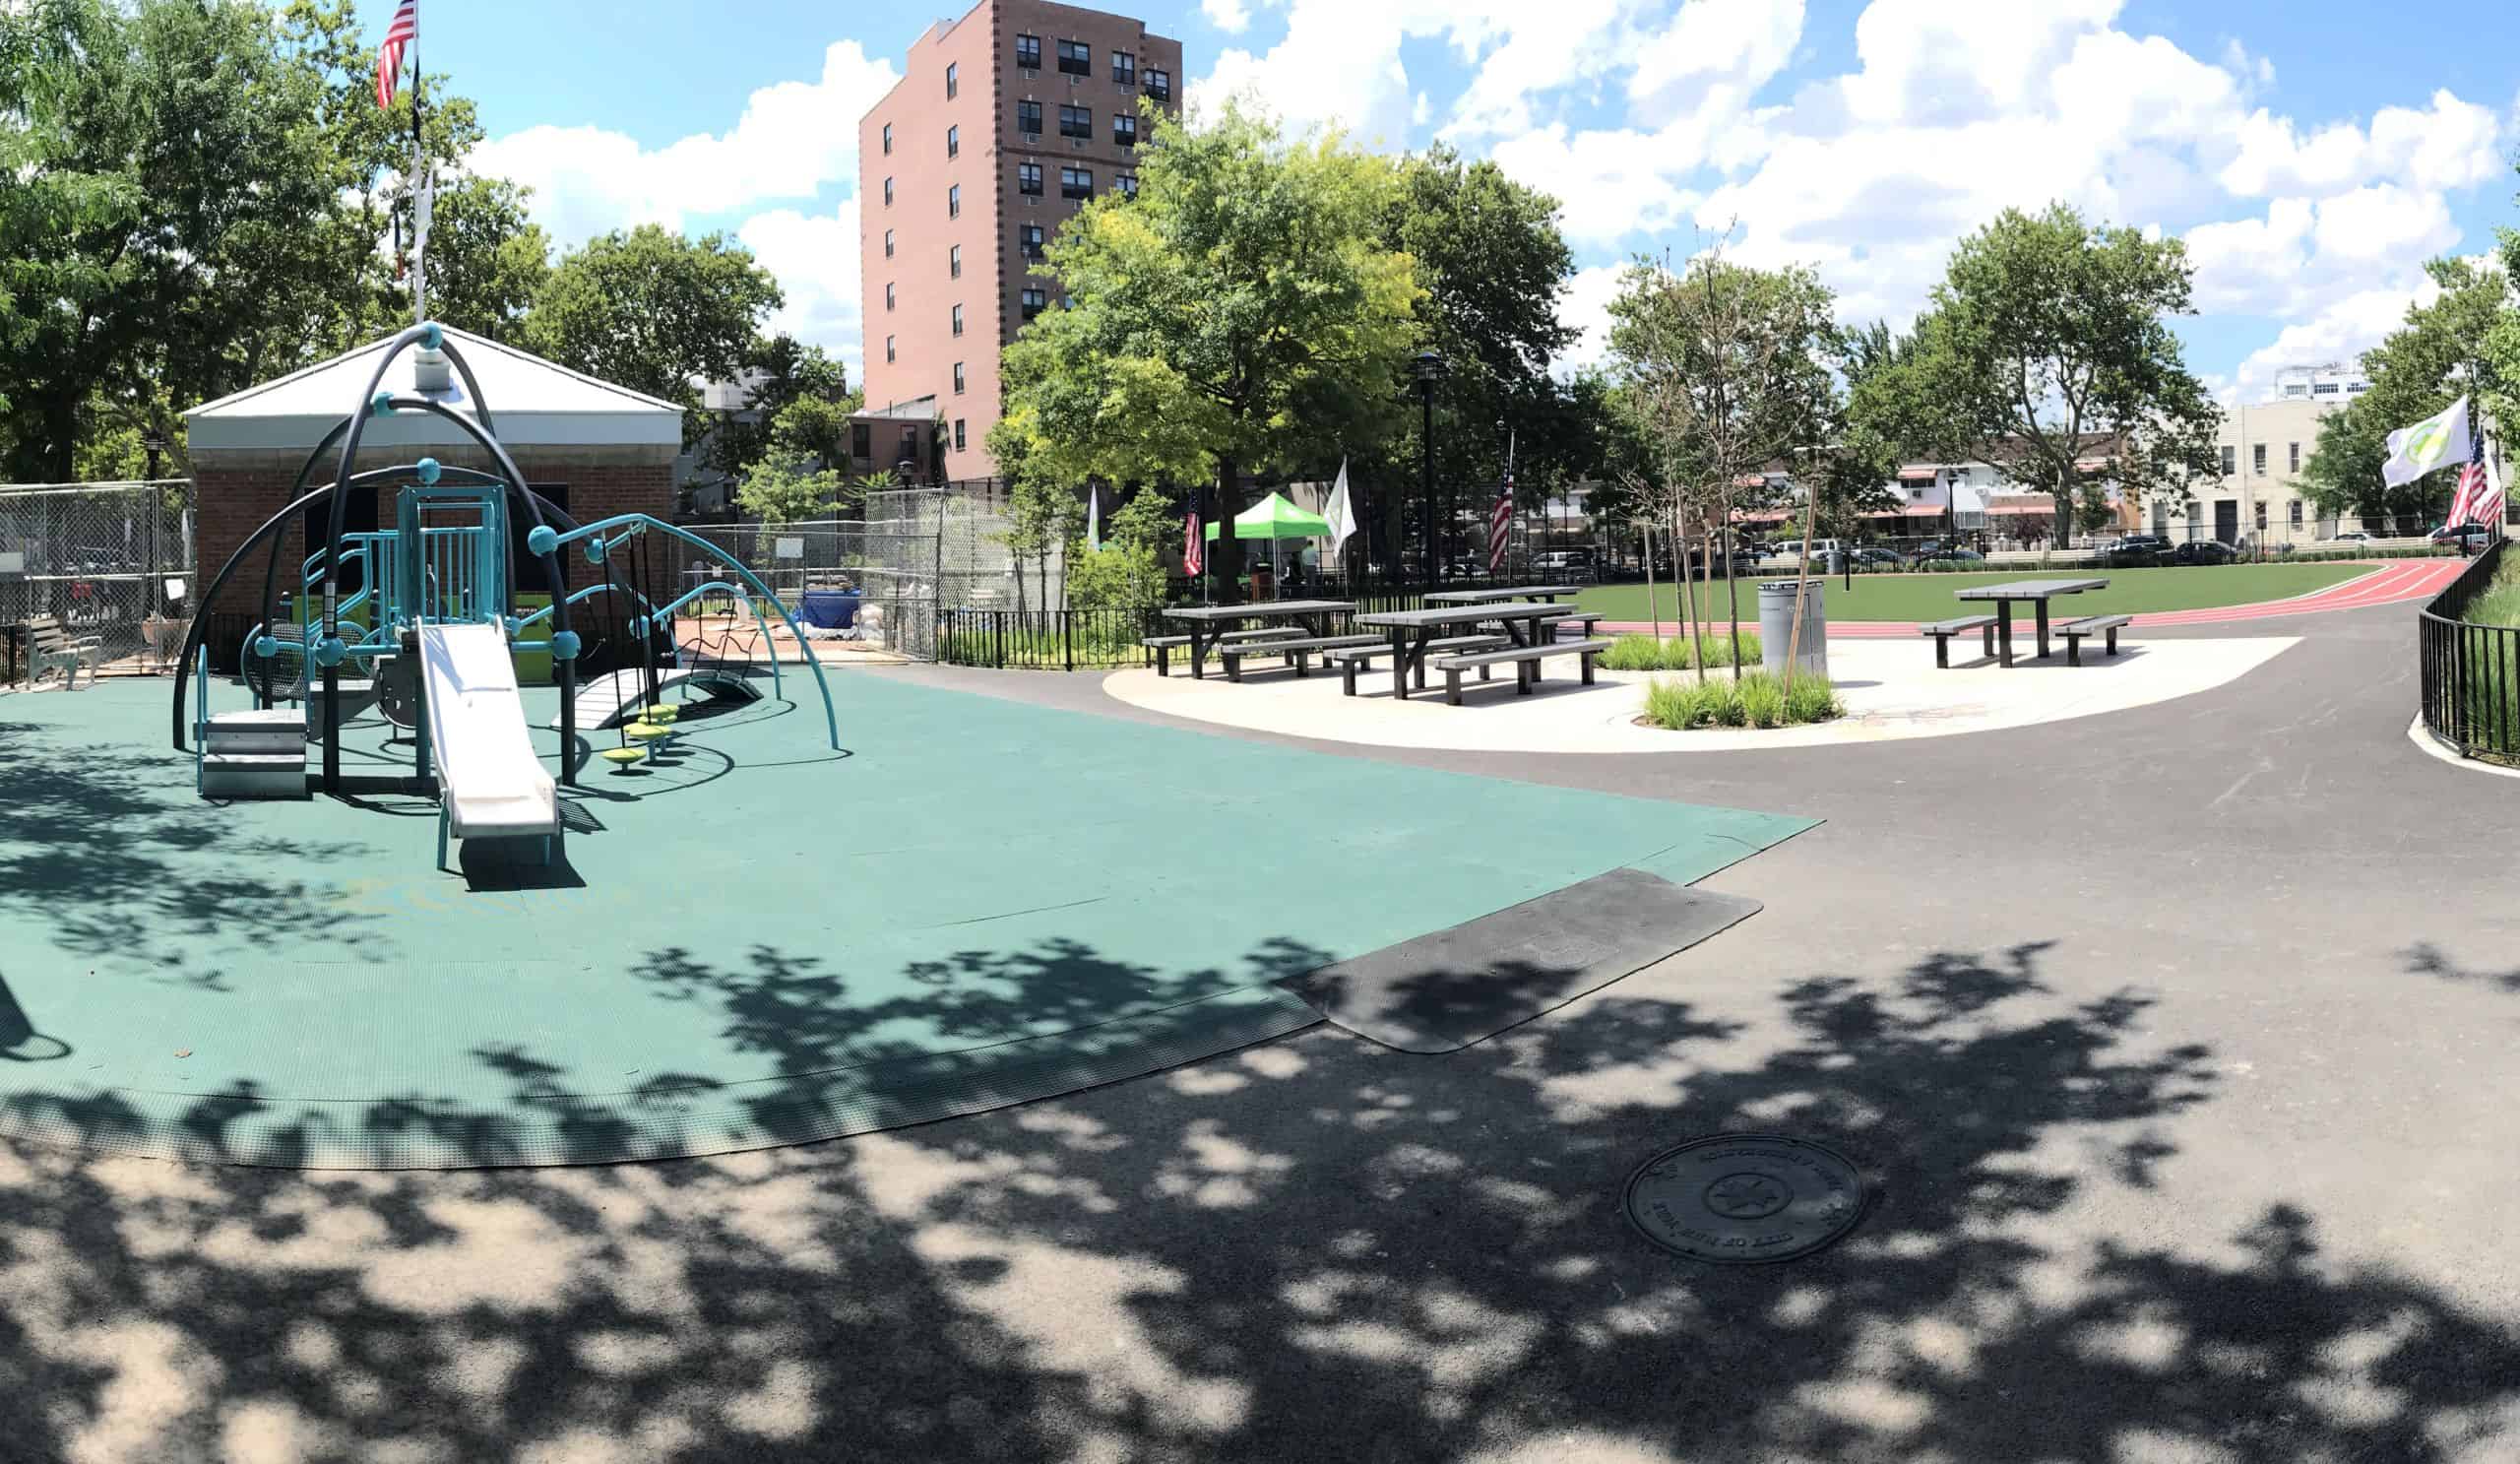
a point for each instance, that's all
(1744, 1198)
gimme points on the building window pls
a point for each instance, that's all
(1028, 179)
(2295, 457)
(953, 142)
(1159, 85)
(888, 193)
(960, 442)
(887, 351)
(1028, 117)
(1075, 58)
(1028, 237)
(1034, 300)
(1076, 121)
(958, 378)
(888, 243)
(1076, 182)
(2257, 458)
(2324, 389)
(862, 441)
(888, 139)
(2292, 513)
(2261, 516)
(1124, 68)
(954, 202)
(1028, 51)
(958, 320)
(953, 262)
(888, 294)
(2230, 460)
(953, 79)
(910, 445)
(1127, 183)
(1124, 130)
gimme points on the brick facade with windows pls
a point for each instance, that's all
(1010, 91)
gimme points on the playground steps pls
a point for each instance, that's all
(254, 756)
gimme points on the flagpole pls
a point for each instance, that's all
(419, 183)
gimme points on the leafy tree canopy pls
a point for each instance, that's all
(653, 311)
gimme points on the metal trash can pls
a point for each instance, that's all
(1776, 627)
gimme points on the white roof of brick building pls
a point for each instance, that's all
(534, 403)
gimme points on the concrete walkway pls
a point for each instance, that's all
(2177, 1041)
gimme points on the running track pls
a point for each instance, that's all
(2392, 583)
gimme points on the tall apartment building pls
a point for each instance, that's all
(1005, 122)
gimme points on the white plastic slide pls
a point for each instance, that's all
(492, 783)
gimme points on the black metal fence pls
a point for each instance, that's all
(2472, 671)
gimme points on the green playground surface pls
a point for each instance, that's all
(1928, 596)
(755, 940)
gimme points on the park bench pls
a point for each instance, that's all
(51, 648)
(1298, 651)
(1944, 630)
(2074, 630)
(1352, 658)
(1162, 644)
(1587, 620)
(1526, 661)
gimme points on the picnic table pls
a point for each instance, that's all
(1208, 623)
(1546, 594)
(2038, 593)
(1411, 630)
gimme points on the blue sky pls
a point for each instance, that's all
(2312, 154)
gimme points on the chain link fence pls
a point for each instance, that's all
(113, 560)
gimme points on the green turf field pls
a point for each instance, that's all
(1928, 596)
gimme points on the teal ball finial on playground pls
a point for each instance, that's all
(329, 651)
(564, 646)
(266, 646)
(427, 471)
(382, 405)
(595, 549)
(542, 539)
(432, 335)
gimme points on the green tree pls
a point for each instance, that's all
(2049, 334)
(1127, 572)
(1724, 370)
(2451, 346)
(799, 402)
(1240, 311)
(653, 311)
(487, 262)
(787, 487)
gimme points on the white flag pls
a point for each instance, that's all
(1094, 517)
(1343, 510)
(2435, 442)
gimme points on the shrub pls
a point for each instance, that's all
(1756, 700)
(1643, 653)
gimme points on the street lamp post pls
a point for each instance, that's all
(1429, 368)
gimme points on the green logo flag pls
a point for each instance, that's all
(2437, 441)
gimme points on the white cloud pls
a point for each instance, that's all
(816, 260)
(1586, 306)
(1230, 15)
(1612, 185)
(2340, 332)
(2305, 255)
(1712, 44)
(793, 139)
(2450, 143)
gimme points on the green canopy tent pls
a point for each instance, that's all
(1276, 517)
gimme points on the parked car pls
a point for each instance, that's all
(2470, 538)
(1563, 564)
(1874, 554)
(1934, 550)
(2205, 551)
(2351, 535)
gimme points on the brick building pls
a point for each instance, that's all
(1003, 124)
(592, 448)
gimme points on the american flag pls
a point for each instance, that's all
(2463, 502)
(1193, 559)
(1498, 523)
(388, 57)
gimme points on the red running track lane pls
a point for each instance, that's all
(2388, 583)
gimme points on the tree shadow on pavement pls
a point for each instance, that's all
(1307, 1250)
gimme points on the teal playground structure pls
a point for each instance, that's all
(428, 631)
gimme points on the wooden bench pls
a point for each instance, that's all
(1526, 661)
(1586, 619)
(50, 648)
(1298, 651)
(1353, 657)
(1944, 630)
(2074, 630)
